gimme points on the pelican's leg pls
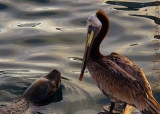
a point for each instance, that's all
(112, 107)
(120, 107)
(124, 106)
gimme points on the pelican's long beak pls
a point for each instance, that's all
(92, 30)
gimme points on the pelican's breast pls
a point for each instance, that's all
(101, 78)
(114, 82)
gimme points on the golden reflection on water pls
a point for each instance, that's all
(46, 8)
(29, 63)
(41, 35)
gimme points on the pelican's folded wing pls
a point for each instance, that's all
(124, 87)
(132, 69)
(120, 85)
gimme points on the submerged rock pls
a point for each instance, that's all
(119, 110)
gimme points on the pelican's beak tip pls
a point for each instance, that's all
(80, 78)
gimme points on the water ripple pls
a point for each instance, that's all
(39, 35)
(131, 5)
(3, 6)
(43, 14)
(35, 1)
(29, 25)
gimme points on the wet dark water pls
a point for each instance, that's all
(37, 36)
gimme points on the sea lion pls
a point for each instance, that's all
(40, 90)
(43, 88)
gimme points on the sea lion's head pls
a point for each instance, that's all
(43, 88)
(55, 77)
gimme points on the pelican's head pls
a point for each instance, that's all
(96, 25)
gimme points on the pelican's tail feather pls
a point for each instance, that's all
(153, 107)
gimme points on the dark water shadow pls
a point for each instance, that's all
(39, 1)
(155, 19)
(29, 25)
(64, 78)
(127, 9)
(42, 58)
(133, 44)
(36, 1)
(8, 52)
(157, 96)
(12, 88)
(75, 59)
(103, 101)
(42, 14)
(3, 6)
(58, 28)
(40, 40)
(132, 5)
(35, 41)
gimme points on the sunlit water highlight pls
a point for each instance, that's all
(37, 36)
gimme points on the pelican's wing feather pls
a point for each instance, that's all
(119, 84)
(131, 69)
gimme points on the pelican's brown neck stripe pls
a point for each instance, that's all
(98, 26)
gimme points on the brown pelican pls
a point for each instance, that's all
(115, 75)
(36, 93)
